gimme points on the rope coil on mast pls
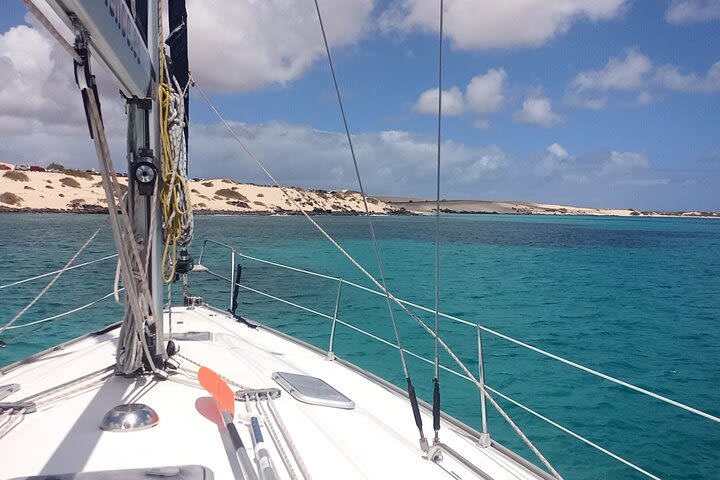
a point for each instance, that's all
(175, 194)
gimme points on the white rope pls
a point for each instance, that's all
(116, 283)
(288, 439)
(51, 283)
(141, 307)
(276, 439)
(37, 277)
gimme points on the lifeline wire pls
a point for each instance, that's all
(344, 252)
(51, 283)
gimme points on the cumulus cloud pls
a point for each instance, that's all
(391, 161)
(558, 151)
(491, 24)
(557, 165)
(266, 42)
(670, 77)
(636, 73)
(589, 89)
(41, 112)
(621, 164)
(484, 94)
(692, 11)
(537, 110)
(453, 102)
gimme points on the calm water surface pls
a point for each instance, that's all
(636, 298)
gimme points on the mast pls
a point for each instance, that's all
(154, 238)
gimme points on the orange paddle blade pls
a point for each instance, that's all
(217, 387)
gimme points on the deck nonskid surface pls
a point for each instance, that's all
(377, 439)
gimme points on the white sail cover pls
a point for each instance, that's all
(114, 38)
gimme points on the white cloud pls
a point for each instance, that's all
(590, 89)
(41, 112)
(691, 11)
(484, 94)
(558, 164)
(242, 45)
(635, 72)
(558, 151)
(452, 102)
(624, 163)
(670, 77)
(537, 110)
(618, 74)
(492, 24)
(391, 161)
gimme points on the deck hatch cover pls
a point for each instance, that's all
(312, 390)
(185, 472)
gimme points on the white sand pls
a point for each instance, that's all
(46, 190)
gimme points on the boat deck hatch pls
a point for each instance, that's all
(185, 472)
(312, 390)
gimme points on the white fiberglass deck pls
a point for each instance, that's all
(377, 439)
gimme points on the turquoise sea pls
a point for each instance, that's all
(636, 298)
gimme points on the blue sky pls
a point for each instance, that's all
(612, 103)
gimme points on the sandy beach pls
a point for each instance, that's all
(79, 191)
(82, 192)
(424, 206)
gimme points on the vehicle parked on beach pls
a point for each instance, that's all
(37, 168)
(22, 167)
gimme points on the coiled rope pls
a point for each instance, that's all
(175, 194)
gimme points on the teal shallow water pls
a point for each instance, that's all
(634, 298)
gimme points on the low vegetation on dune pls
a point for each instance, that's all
(69, 182)
(16, 176)
(207, 184)
(77, 173)
(76, 202)
(10, 198)
(238, 203)
(232, 194)
(56, 166)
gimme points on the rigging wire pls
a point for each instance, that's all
(436, 380)
(50, 284)
(344, 252)
(378, 259)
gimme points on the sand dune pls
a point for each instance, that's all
(61, 191)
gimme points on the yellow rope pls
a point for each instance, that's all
(173, 184)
